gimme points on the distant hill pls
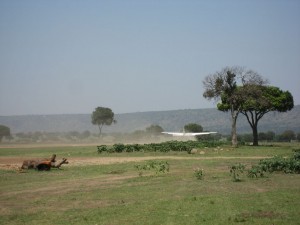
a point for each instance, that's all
(174, 120)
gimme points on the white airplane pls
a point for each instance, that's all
(188, 134)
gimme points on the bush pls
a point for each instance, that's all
(179, 146)
(157, 166)
(256, 171)
(119, 147)
(102, 148)
(278, 163)
(236, 170)
(296, 155)
(199, 173)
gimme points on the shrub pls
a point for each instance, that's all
(119, 147)
(236, 170)
(256, 171)
(179, 146)
(278, 163)
(296, 155)
(157, 166)
(102, 148)
(199, 173)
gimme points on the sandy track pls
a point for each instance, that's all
(15, 162)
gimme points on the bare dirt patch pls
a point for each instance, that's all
(114, 160)
(12, 163)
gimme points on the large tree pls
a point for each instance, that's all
(224, 85)
(262, 99)
(103, 116)
(4, 132)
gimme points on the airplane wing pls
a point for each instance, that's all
(188, 134)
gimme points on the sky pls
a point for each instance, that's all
(71, 56)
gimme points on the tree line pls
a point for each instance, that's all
(152, 132)
(236, 90)
(270, 136)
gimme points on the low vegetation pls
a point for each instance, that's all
(177, 146)
(178, 189)
(199, 173)
(279, 163)
(158, 167)
(236, 170)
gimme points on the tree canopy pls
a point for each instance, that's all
(103, 116)
(260, 100)
(224, 85)
(193, 127)
(245, 91)
(154, 130)
(4, 132)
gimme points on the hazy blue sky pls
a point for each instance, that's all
(70, 56)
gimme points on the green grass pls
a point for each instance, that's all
(116, 194)
(90, 151)
(48, 151)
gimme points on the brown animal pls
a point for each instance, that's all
(32, 164)
(29, 164)
(63, 161)
(43, 164)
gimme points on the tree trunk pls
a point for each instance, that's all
(233, 133)
(100, 129)
(255, 135)
(253, 117)
(234, 141)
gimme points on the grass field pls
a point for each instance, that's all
(107, 188)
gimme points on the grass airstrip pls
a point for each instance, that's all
(108, 189)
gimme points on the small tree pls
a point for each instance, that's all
(154, 130)
(193, 127)
(260, 100)
(103, 116)
(4, 132)
(287, 135)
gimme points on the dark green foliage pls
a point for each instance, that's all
(4, 131)
(154, 130)
(236, 170)
(256, 171)
(119, 148)
(103, 116)
(263, 99)
(199, 173)
(278, 163)
(268, 136)
(297, 154)
(157, 166)
(102, 148)
(287, 135)
(193, 127)
(177, 146)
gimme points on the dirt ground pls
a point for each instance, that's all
(16, 162)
